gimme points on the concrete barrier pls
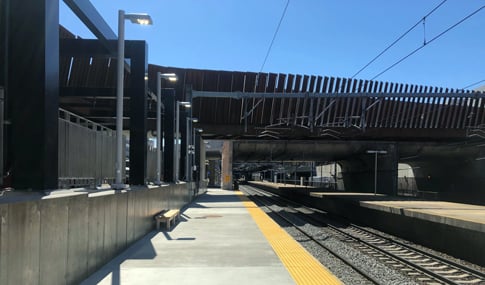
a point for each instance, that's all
(62, 239)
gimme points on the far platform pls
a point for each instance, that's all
(465, 216)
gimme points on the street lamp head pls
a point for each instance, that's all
(185, 104)
(195, 120)
(376, 152)
(138, 18)
(172, 77)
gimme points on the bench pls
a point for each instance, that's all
(168, 217)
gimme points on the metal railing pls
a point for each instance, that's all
(151, 162)
(86, 152)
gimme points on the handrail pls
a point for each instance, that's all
(67, 116)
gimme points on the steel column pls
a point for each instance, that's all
(32, 92)
(2, 97)
(138, 112)
(168, 99)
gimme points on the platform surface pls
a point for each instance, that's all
(217, 241)
(466, 216)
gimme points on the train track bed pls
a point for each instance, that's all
(372, 257)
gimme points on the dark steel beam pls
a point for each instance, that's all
(87, 48)
(3, 40)
(88, 14)
(241, 95)
(168, 99)
(91, 92)
(32, 91)
(138, 111)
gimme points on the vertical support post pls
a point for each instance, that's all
(33, 92)
(227, 155)
(159, 128)
(201, 158)
(376, 152)
(168, 99)
(4, 8)
(176, 153)
(120, 71)
(138, 52)
(335, 175)
(375, 173)
(1, 133)
(187, 152)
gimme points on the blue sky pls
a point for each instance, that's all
(316, 37)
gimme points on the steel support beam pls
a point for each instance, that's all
(137, 51)
(91, 92)
(3, 72)
(168, 99)
(138, 111)
(3, 40)
(86, 48)
(241, 95)
(32, 92)
(86, 12)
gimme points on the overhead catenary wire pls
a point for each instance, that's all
(272, 41)
(428, 42)
(473, 84)
(422, 20)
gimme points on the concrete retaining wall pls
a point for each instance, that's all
(62, 240)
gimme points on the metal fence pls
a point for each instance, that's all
(87, 152)
(152, 162)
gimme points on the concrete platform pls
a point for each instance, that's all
(216, 242)
(460, 215)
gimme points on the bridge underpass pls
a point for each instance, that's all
(439, 135)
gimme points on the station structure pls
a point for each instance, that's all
(58, 114)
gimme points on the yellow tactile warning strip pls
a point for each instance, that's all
(302, 266)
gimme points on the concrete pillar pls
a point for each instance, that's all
(227, 154)
(358, 173)
(212, 173)
(202, 166)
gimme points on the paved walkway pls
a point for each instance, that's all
(217, 242)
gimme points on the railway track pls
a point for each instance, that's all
(423, 267)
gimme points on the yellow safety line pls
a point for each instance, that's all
(301, 265)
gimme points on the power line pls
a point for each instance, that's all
(398, 39)
(473, 84)
(430, 41)
(274, 36)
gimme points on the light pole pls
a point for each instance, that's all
(172, 77)
(194, 143)
(375, 152)
(188, 147)
(176, 153)
(142, 19)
